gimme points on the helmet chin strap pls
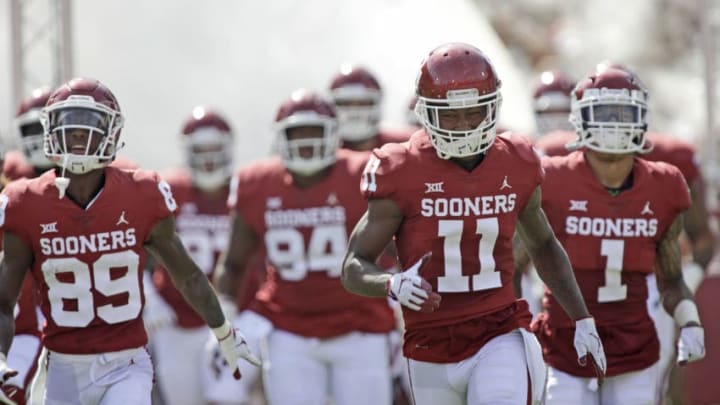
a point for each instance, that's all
(62, 182)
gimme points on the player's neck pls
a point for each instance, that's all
(83, 188)
(311, 180)
(39, 170)
(364, 145)
(469, 163)
(610, 171)
(217, 192)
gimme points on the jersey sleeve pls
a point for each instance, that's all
(531, 156)
(379, 178)
(243, 191)
(11, 214)
(162, 203)
(679, 197)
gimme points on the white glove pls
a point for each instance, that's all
(691, 345)
(587, 341)
(233, 347)
(5, 374)
(411, 290)
(157, 314)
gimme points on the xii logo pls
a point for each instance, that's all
(48, 228)
(434, 187)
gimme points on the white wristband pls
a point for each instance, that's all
(222, 331)
(686, 312)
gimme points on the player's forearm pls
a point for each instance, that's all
(703, 249)
(553, 267)
(226, 278)
(201, 296)
(672, 292)
(363, 277)
(7, 329)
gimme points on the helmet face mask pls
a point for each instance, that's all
(609, 113)
(80, 133)
(465, 142)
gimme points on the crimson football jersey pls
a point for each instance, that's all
(467, 220)
(87, 262)
(305, 232)
(611, 242)
(203, 225)
(665, 148)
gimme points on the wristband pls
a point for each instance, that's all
(686, 312)
(223, 331)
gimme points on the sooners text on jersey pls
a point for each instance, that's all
(87, 262)
(611, 242)
(203, 226)
(305, 232)
(467, 220)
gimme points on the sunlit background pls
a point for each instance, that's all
(162, 57)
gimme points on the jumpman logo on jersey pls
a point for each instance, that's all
(646, 209)
(122, 220)
(505, 184)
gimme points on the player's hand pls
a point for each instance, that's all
(411, 290)
(587, 342)
(6, 373)
(233, 347)
(691, 345)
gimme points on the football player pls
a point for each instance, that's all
(200, 190)
(357, 95)
(453, 196)
(696, 224)
(619, 221)
(302, 204)
(83, 229)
